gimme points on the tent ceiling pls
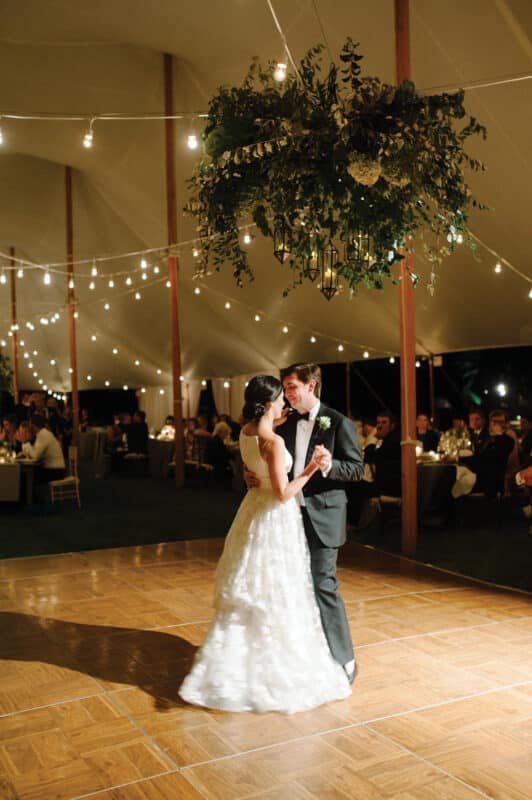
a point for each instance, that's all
(106, 57)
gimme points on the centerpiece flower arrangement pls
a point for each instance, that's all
(338, 169)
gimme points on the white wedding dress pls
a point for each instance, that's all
(265, 649)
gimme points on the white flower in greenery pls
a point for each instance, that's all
(324, 423)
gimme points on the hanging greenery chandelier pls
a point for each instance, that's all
(339, 171)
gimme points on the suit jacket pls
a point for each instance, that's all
(386, 460)
(325, 498)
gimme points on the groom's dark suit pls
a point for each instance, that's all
(324, 516)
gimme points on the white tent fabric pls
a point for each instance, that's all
(98, 57)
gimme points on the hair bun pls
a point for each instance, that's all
(253, 410)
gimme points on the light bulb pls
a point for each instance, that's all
(279, 72)
(257, 317)
(285, 328)
(391, 360)
(107, 306)
(340, 348)
(125, 387)
(3, 278)
(192, 141)
(313, 339)
(76, 315)
(247, 238)
(93, 337)
(366, 354)
(418, 363)
(228, 305)
(197, 290)
(111, 284)
(89, 377)
(107, 383)
(128, 281)
(530, 294)
(20, 273)
(137, 362)
(94, 270)
(88, 139)
(52, 362)
(459, 238)
(44, 321)
(71, 284)
(498, 267)
(195, 252)
(115, 351)
(161, 391)
(138, 295)
(143, 263)
(159, 372)
(156, 270)
(47, 279)
(92, 285)
(181, 378)
(143, 390)
(204, 383)
(168, 284)
(1, 135)
(226, 384)
(144, 276)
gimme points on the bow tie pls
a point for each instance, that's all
(302, 416)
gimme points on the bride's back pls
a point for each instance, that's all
(251, 456)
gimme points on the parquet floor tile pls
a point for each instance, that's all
(165, 787)
(95, 645)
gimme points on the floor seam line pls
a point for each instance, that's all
(123, 785)
(431, 764)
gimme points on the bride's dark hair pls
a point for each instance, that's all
(260, 390)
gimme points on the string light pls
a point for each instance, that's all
(20, 273)
(340, 348)
(128, 281)
(107, 383)
(313, 340)
(47, 278)
(89, 377)
(111, 284)
(247, 238)
(156, 270)
(159, 372)
(391, 360)
(226, 384)
(161, 391)
(204, 383)
(197, 290)
(195, 252)
(168, 284)
(92, 285)
(257, 317)
(138, 296)
(3, 278)
(137, 362)
(228, 305)
(144, 276)
(192, 141)
(125, 387)
(143, 390)
(52, 362)
(530, 294)
(143, 263)
(93, 337)
(88, 139)
(115, 351)
(1, 135)
(94, 269)
(71, 284)
(279, 72)
(418, 363)
(498, 267)
(285, 328)
(107, 306)
(366, 354)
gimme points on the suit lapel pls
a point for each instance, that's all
(313, 437)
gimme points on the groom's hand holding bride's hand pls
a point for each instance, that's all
(322, 457)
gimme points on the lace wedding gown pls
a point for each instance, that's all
(265, 649)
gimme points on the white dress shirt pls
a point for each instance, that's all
(303, 434)
(46, 449)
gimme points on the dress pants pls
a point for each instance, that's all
(323, 566)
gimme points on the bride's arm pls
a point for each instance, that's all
(275, 458)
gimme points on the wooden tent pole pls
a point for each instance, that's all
(14, 329)
(71, 297)
(407, 327)
(173, 270)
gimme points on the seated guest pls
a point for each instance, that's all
(368, 433)
(8, 433)
(385, 456)
(113, 439)
(490, 458)
(137, 434)
(478, 430)
(45, 449)
(188, 435)
(217, 454)
(425, 433)
(202, 426)
(235, 427)
(84, 422)
(525, 447)
(500, 417)
(167, 432)
(456, 438)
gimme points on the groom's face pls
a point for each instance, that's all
(300, 395)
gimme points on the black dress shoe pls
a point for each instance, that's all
(352, 675)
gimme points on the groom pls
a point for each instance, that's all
(323, 500)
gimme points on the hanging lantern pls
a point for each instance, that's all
(312, 269)
(281, 246)
(328, 264)
(357, 248)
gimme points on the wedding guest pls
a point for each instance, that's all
(46, 449)
(202, 426)
(138, 434)
(490, 458)
(23, 409)
(456, 439)
(217, 454)
(385, 456)
(478, 430)
(235, 426)
(426, 434)
(8, 433)
(368, 432)
(499, 416)
(84, 421)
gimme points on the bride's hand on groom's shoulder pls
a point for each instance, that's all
(282, 419)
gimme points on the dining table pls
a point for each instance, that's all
(17, 478)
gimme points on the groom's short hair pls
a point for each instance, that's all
(305, 373)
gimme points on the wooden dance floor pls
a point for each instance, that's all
(94, 645)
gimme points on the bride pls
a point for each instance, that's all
(265, 649)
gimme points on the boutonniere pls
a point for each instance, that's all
(324, 423)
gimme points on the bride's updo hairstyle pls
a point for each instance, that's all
(260, 390)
